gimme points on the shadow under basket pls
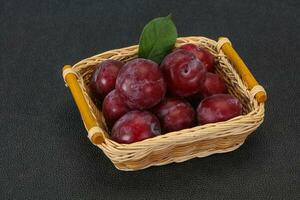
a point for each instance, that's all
(178, 146)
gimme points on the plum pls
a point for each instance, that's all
(202, 54)
(135, 126)
(183, 72)
(113, 108)
(213, 84)
(141, 84)
(175, 114)
(104, 78)
(217, 108)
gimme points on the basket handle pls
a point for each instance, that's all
(94, 131)
(242, 69)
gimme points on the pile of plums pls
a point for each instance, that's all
(141, 99)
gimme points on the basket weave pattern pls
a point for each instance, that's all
(178, 146)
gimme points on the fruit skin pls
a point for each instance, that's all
(175, 114)
(135, 126)
(217, 108)
(104, 77)
(183, 72)
(213, 84)
(202, 54)
(113, 108)
(141, 84)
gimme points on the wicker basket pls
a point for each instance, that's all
(178, 146)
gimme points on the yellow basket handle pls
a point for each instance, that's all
(242, 69)
(95, 133)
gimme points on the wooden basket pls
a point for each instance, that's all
(178, 146)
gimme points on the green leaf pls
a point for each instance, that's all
(157, 39)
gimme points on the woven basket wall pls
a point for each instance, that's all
(179, 146)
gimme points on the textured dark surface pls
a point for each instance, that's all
(44, 151)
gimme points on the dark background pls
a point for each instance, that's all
(44, 150)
